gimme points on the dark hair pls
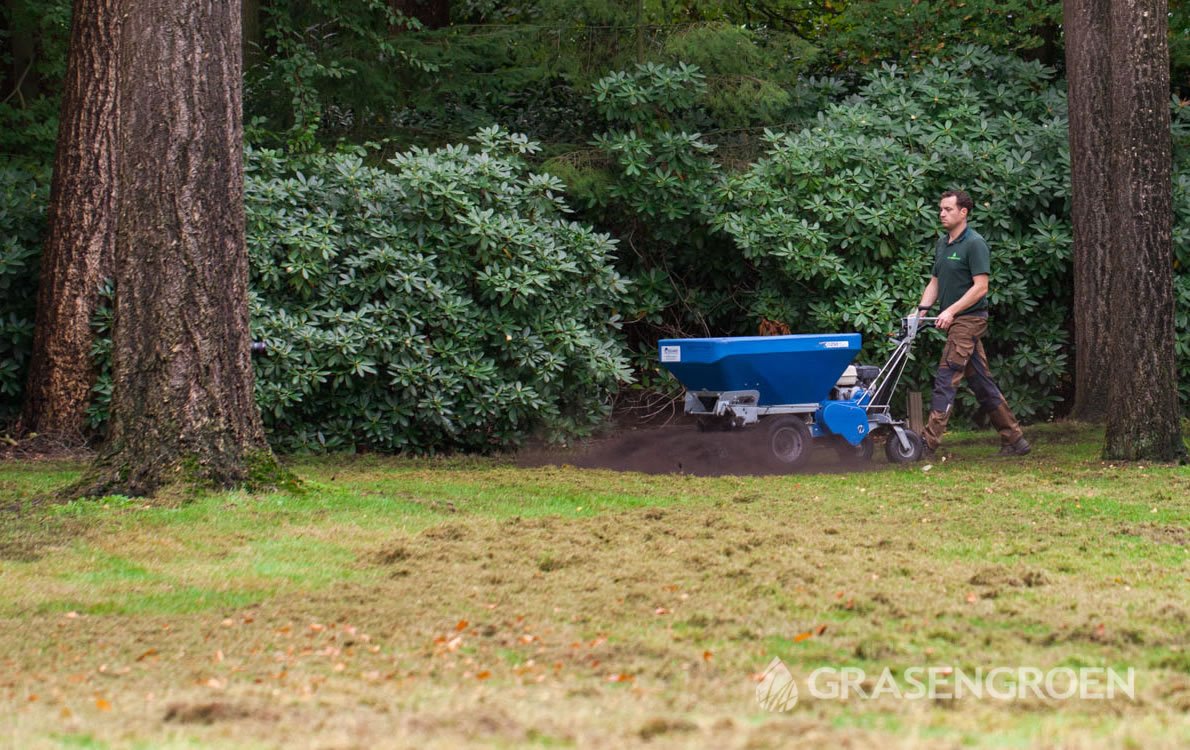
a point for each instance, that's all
(961, 199)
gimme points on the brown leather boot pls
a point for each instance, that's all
(1019, 448)
(1010, 430)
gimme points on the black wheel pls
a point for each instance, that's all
(854, 453)
(897, 454)
(788, 442)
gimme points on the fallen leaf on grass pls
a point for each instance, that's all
(147, 654)
(483, 675)
(620, 677)
(818, 630)
(972, 598)
(461, 625)
(102, 704)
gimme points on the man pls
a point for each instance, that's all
(959, 284)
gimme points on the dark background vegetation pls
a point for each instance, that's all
(632, 170)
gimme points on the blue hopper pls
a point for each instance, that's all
(802, 386)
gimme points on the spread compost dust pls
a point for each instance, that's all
(680, 448)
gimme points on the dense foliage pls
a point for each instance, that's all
(839, 218)
(760, 165)
(833, 227)
(24, 192)
(445, 303)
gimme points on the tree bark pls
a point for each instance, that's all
(1088, 70)
(182, 403)
(1143, 419)
(81, 230)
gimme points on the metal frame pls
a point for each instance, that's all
(879, 393)
(738, 406)
(741, 408)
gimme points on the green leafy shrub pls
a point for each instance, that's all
(1181, 243)
(653, 184)
(839, 218)
(447, 303)
(24, 192)
(752, 75)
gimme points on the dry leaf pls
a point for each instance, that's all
(821, 629)
(483, 675)
(102, 704)
(619, 677)
(706, 655)
(972, 598)
(802, 636)
(461, 625)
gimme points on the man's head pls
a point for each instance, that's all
(953, 208)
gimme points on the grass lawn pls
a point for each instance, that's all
(471, 602)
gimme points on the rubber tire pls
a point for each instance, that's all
(896, 453)
(849, 453)
(788, 443)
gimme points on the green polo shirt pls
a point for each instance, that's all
(956, 264)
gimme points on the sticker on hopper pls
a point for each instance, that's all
(671, 354)
(835, 344)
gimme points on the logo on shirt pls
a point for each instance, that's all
(954, 256)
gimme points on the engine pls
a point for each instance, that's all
(854, 379)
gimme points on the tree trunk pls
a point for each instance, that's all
(1088, 70)
(182, 403)
(1143, 420)
(81, 230)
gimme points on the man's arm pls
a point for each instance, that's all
(929, 296)
(978, 290)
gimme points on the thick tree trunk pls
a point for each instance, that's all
(1143, 420)
(182, 404)
(82, 229)
(1088, 71)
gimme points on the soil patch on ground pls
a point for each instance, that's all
(681, 448)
